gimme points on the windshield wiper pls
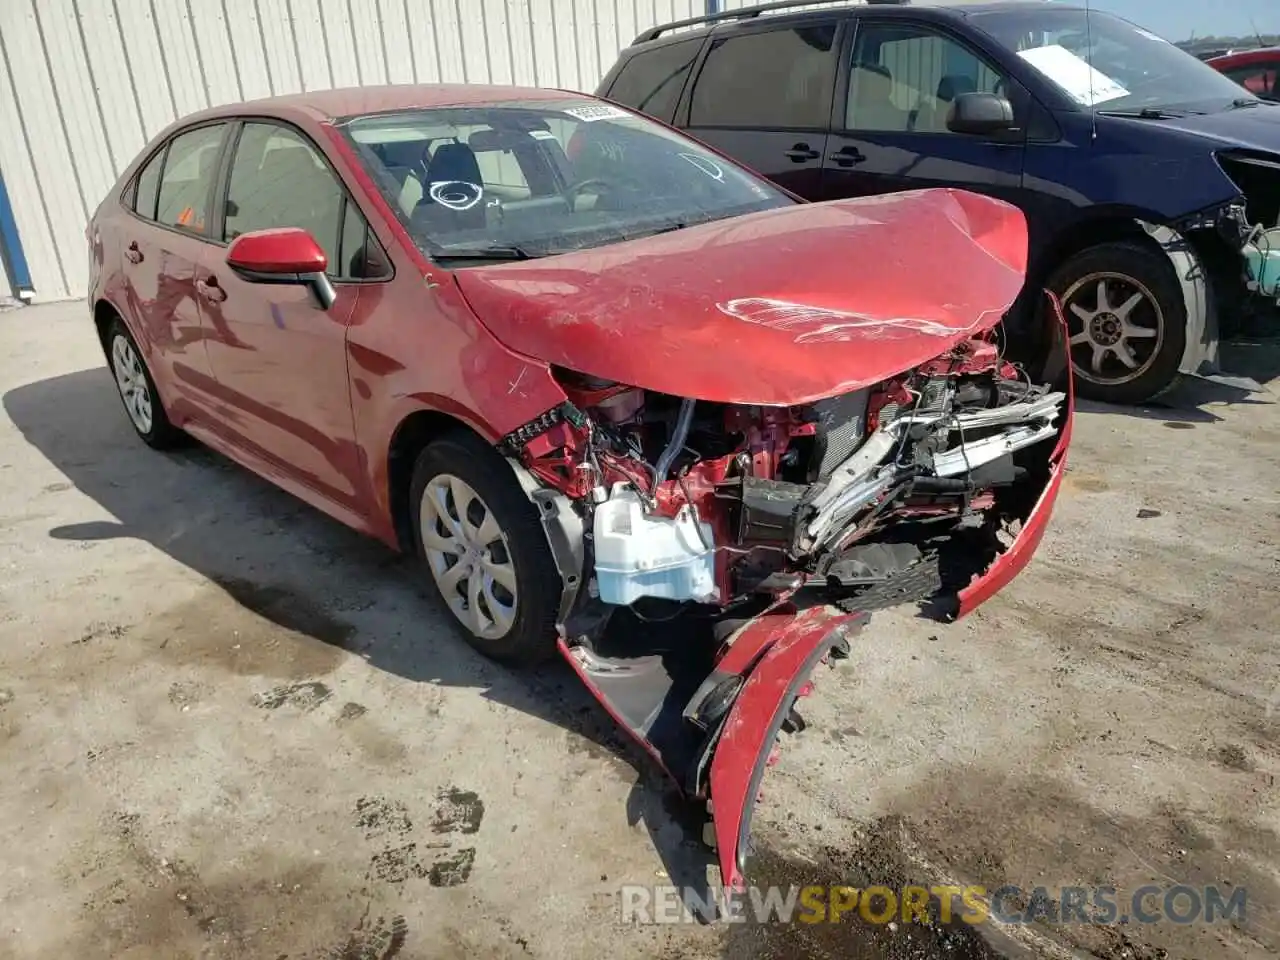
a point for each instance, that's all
(1243, 103)
(1146, 113)
(484, 253)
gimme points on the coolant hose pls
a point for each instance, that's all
(676, 443)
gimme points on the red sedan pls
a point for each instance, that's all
(1258, 71)
(594, 375)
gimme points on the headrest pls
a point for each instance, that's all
(453, 161)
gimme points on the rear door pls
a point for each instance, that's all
(890, 133)
(763, 96)
(163, 244)
(280, 358)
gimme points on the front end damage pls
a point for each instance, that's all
(712, 554)
(1227, 259)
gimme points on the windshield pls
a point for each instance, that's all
(1132, 69)
(540, 178)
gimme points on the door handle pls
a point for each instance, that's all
(133, 253)
(848, 157)
(210, 290)
(802, 152)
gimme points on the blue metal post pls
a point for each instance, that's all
(713, 7)
(12, 259)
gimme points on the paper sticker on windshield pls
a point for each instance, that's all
(1084, 84)
(600, 111)
(542, 134)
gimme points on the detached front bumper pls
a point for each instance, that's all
(717, 741)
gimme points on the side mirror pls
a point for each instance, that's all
(980, 113)
(286, 255)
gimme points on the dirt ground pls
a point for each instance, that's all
(230, 728)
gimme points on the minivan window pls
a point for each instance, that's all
(904, 79)
(189, 169)
(279, 180)
(651, 81)
(582, 174)
(773, 79)
(1133, 69)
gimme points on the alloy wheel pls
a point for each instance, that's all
(131, 378)
(468, 556)
(1116, 325)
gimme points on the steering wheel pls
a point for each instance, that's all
(572, 190)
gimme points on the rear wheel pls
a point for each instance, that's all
(483, 545)
(138, 390)
(1126, 320)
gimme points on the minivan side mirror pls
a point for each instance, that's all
(980, 113)
(285, 255)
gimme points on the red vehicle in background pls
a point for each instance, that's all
(596, 376)
(1258, 71)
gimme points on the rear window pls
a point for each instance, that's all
(651, 81)
(776, 79)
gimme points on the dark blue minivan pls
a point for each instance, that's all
(1150, 182)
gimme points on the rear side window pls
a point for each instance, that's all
(148, 191)
(775, 79)
(188, 176)
(651, 81)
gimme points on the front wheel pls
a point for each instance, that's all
(480, 539)
(1126, 320)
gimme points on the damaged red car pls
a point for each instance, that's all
(627, 400)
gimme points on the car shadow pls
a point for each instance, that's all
(1188, 403)
(307, 573)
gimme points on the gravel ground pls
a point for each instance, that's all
(230, 728)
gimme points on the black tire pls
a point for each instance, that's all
(159, 434)
(531, 638)
(1129, 268)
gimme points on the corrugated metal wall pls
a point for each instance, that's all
(85, 83)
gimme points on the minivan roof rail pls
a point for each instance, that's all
(749, 13)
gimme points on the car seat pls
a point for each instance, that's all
(871, 105)
(453, 163)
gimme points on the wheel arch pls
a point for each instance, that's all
(1112, 226)
(1186, 259)
(104, 312)
(410, 437)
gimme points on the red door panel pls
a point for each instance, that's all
(280, 361)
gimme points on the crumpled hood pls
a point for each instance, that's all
(782, 307)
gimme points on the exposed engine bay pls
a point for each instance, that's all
(897, 492)
(712, 555)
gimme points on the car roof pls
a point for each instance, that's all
(328, 105)
(1262, 54)
(767, 13)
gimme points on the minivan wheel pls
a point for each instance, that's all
(483, 545)
(1126, 320)
(138, 390)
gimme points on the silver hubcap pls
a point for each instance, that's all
(1117, 327)
(132, 383)
(468, 556)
